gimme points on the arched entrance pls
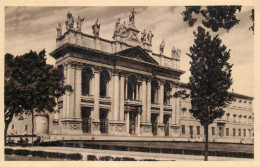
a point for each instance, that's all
(86, 119)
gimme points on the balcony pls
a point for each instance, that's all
(155, 106)
(132, 102)
(87, 98)
(105, 100)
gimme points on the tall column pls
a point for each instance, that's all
(160, 122)
(172, 103)
(96, 93)
(127, 122)
(148, 101)
(126, 89)
(122, 98)
(64, 97)
(78, 91)
(177, 110)
(161, 91)
(143, 99)
(111, 94)
(138, 121)
(116, 98)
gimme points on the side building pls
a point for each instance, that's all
(122, 88)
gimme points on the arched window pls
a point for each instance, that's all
(131, 87)
(87, 74)
(104, 79)
(166, 93)
(154, 92)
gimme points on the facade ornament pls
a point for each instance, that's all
(96, 28)
(123, 30)
(70, 22)
(117, 27)
(162, 45)
(143, 37)
(176, 52)
(150, 36)
(132, 17)
(59, 31)
(79, 23)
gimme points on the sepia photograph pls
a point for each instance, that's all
(129, 83)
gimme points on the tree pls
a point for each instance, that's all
(210, 79)
(31, 86)
(252, 17)
(213, 17)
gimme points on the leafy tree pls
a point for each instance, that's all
(31, 86)
(213, 17)
(252, 17)
(210, 79)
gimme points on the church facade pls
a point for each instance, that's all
(121, 88)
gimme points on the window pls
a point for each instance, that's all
(249, 132)
(228, 117)
(213, 130)
(166, 93)
(227, 131)
(244, 132)
(234, 132)
(154, 92)
(87, 75)
(12, 126)
(234, 118)
(198, 130)
(239, 132)
(183, 129)
(25, 127)
(191, 130)
(104, 81)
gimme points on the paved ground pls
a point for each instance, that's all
(136, 155)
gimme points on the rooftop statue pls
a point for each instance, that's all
(150, 37)
(96, 28)
(117, 27)
(132, 16)
(143, 37)
(123, 29)
(59, 30)
(176, 52)
(79, 23)
(70, 22)
(162, 45)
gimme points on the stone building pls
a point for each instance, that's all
(122, 88)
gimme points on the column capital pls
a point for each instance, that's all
(122, 73)
(115, 72)
(97, 69)
(149, 78)
(161, 81)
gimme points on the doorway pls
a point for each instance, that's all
(103, 120)
(154, 121)
(132, 122)
(166, 124)
(86, 120)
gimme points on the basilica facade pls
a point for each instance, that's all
(121, 88)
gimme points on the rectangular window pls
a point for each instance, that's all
(244, 132)
(227, 131)
(213, 130)
(249, 132)
(234, 132)
(12, 126)
(198, 130)
(191, 130)
(183, 129)
(25, 127)
(239, 132)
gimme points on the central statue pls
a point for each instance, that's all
(96, 28)
(132, 16)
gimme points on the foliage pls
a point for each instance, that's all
(210, 77)
(214, 17)
(252, 17)
(30, 85)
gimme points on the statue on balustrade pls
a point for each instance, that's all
(143, 37)
(162, 45)
(132, 17)
(96, 28)
(117, 27)
(59, 31)
(150, 36)
(123, 30)
(70, 22)
(176, 52)
(79, 23)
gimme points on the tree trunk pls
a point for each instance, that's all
(206, 132)
(32, 126)
(6, 128)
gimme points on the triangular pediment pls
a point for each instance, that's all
(137, 53)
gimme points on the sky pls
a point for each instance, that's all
(34, 28)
